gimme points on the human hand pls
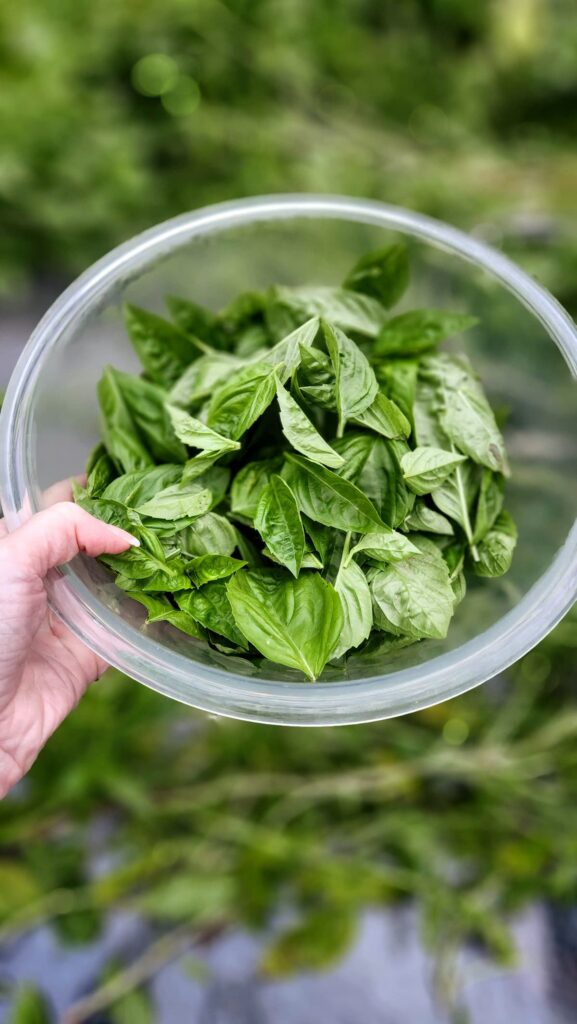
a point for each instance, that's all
(44, 668)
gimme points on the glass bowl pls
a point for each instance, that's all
(525, 349)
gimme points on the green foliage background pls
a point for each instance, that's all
(467, 111)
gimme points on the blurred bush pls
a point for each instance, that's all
(115, 116)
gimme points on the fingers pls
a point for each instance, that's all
(56, 535)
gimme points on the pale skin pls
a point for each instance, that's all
(44, 668)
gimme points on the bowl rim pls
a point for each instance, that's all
(268, 700)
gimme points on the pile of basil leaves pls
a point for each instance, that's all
(305, 472)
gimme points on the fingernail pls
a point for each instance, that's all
(134, 541)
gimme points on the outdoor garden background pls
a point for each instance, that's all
(148, 837)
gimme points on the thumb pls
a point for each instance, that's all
(56, 535)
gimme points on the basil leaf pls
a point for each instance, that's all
(412, 334)
(295, 622)
(197, 321)
(199, 465)
(205, 568)
(398, 380)
(322, 538)
(414, 597)
(384, 417)
(279, 523)
(211, 607)
(176, 501)
(383, 274)
(248, 485)
(301, 434)
(328, 498)
(288, 352)
(237, 404)
(489, 504)
(112, 512)
(459, 588)
(160, 609)
(309, 559)
(97, 452)
(163, 349)
(496, 549)
(196, 434)
(212, 534)
(146, 404)
(357, 607)
(121, 436)
(101, 475)
(355, 382)
(384, 546)
(135, 488)
(426, 468)
(347, 309)
(465, 415)
(426, 519)
(199, 379)
(428, 429)
(455, 497)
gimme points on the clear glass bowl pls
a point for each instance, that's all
(525, 350)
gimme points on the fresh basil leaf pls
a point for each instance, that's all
(161, 583)
(328, 498)
(200, 378)
(163, 349)
(248, 551)
(279, 523)
(237, 404)
(322, 538)
(199, 465)
(121, 436)
(456, 496)
(197, 321)
(95, 455)
(419, 331)
(459, 588)
(177, 501)
(398, 380)
(295, 622)
(135, 488)
(287, 353)
(428, 429)
(252, 342)
(373, 464)
(347, 309)
(465, 415)
(428, 520)
(196, 434)
(101, 475)
(309, 559)
(301, 434)
(355, 382)
(112, 512)
(495, 550)
(489, 504)
(212, 534)
(248, 485)
(383, 274)
(357, 607)
(384, 417)
(384, 546)
(205, 568)
(211, 607)
(425, 469)
(414, 597)
(146, 404)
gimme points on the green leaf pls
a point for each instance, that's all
(237, 404)
(212, 534)
(196, 434)
(18, 887)
(176, 501)
(427, 520)
(328, 498)
(398, 380)
(287, 353)
(426, 468)
(187, 895)
(383, 274)
(322, 537)
(496, 548)
(146, 404)
(456, 495)
(317, 942)
(414, 597)
(465, 415)
(295, 622)
(100, 476)
(112, 512)
(163, 349)
(356, 603)
(160, 609)
(248, 485)
(419, 331)
(355, 382)
(135, 1007)
(200, 378)
(205, 568)
(279, 523)
(384, 546)
(347, 309)
(121, 437)
(384, 417)
(196, 320)
(489, 504)
(373, 464)
(301, 434)
(134, 488)
(211, 607)
(29, 1007)
(309, 559)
